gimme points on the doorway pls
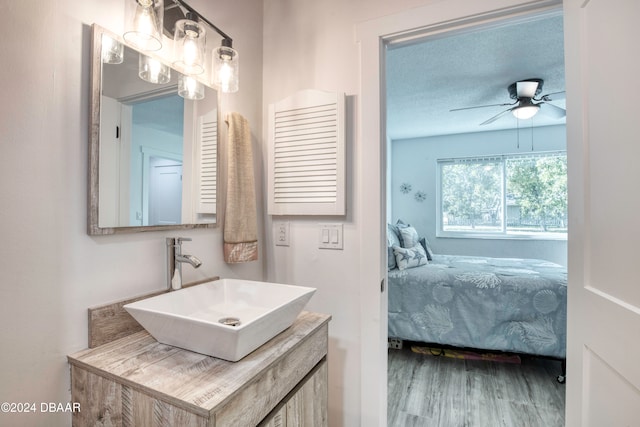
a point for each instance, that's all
(165, 191)
(427, 80)
(373, 36)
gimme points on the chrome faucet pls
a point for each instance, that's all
(175, 258)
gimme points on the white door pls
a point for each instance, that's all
(165, 191)
(602, 67)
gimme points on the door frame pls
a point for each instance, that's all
(373, 36)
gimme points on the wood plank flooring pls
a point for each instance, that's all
(445, 392)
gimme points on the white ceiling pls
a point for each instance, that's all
(428, 78)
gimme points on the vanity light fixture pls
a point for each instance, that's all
(153, 71)
(188, 43)
(112, 50)
(226, 67)
(190, 88)
(143, 23)
(144, 20)
(224, 74)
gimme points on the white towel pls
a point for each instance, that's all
(241, 222)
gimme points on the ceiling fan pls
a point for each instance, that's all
(526, 104)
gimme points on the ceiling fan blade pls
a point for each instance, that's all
(553, 96)
(526, 89)
(552, 110)
(496, 117)
(483, 106)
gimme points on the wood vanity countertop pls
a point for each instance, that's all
(198, 383)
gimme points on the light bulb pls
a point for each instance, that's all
(225, 75)
(143, 21)
(190, 51)
(153, 71)
(112, 50)
(190, 88)
(226, 69)
(189, 41)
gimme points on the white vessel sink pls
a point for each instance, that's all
(204, 318)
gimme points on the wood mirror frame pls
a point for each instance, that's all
(93, 224)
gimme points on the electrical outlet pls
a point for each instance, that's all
(281, 233)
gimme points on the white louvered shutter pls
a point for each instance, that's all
(307, 154)
(208, 132)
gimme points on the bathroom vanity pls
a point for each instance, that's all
(135, 380)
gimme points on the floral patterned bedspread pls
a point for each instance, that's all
(507, 304)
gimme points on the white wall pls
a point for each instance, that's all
(52, 270)
(414, 161)
(310, 44)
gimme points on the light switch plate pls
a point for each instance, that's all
(281, 231)
(330, 236)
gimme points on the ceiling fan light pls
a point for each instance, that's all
(525, 112)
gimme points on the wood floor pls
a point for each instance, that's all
(445, 392)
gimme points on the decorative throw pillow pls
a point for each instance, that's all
(392, 240)
(409, 237)
(391, 259)
(410, 257)
(427, 248)
(400, 224)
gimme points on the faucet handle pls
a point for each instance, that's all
(179, 240)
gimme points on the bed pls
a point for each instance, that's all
(504, 304)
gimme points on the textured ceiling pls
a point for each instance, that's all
(428, 78)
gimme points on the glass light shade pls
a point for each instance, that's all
(226, 69)
(153, 71)
(189, 39)
(112, 50)
(525, 112)
(190, 88)
(143, 23)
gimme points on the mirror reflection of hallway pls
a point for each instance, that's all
(133, 120)
(156, 149)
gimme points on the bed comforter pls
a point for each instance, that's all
(506, 304)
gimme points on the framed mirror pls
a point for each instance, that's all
(153, 153)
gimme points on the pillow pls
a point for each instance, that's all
(410, 257)
(398, 226)
(393, 238)
(409, 237)
(391, 259)
(427, 248)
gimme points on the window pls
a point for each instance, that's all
(507, 195)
